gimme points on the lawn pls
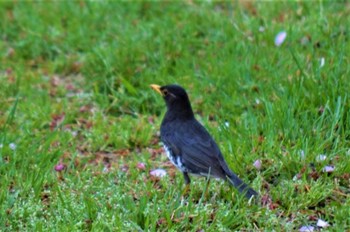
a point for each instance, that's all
(79, 124)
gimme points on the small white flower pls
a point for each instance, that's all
(322, 61)
(321, 223)
(158, 172)
(280, 37)
(321, 157)
(302, 154)
(261, 29)
(227, 124)
(296, 177)
(306, 229)
(328, 169)
(105, 169)
(257, 164)
(1, 145)
(12, 146)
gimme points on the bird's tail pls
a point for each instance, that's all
(241, 186)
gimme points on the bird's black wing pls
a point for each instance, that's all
(198, 151)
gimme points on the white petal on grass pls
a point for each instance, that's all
(302, 154)
(12, 146)
(296, 177)
(328, 169)
(322, 61)
(1, 145)
(227, 124)
(105, 169)
(261, 29)
(306, 228)
(321, 223)
(158, 172)
(321, 157)
(280, 37)
(257, 164)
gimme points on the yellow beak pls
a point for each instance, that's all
(156, 88)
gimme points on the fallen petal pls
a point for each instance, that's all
(321, 157)
(107, 167)
(321, 223)
(328, 169)
(306, 228)
(280, 37)
(158, 172)
(125, 168)
(297, 177)
(227, 124)
(141, 166)
(13, 146)
(322, 61)
(60, 167)
(257, 164)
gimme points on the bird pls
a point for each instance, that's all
(189, 146)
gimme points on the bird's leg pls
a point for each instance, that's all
(187, 178)
(187, 182)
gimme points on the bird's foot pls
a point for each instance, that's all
(186, 191)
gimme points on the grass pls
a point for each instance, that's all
(74, 90)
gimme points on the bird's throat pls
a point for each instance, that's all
(182, 112)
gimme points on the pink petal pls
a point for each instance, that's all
(125, 168)
(158, 172)
(321, 223)
(306, 229)
(60, 167)
(280, 37)
(328, 169)
(141, 166)
(257, 164)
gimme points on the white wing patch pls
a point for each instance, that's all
(175, 160)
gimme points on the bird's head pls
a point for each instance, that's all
(175, 98)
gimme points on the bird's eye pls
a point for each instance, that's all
(165, 92)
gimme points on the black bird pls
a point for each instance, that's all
(188, 144)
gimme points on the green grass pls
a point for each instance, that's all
(74, 89)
